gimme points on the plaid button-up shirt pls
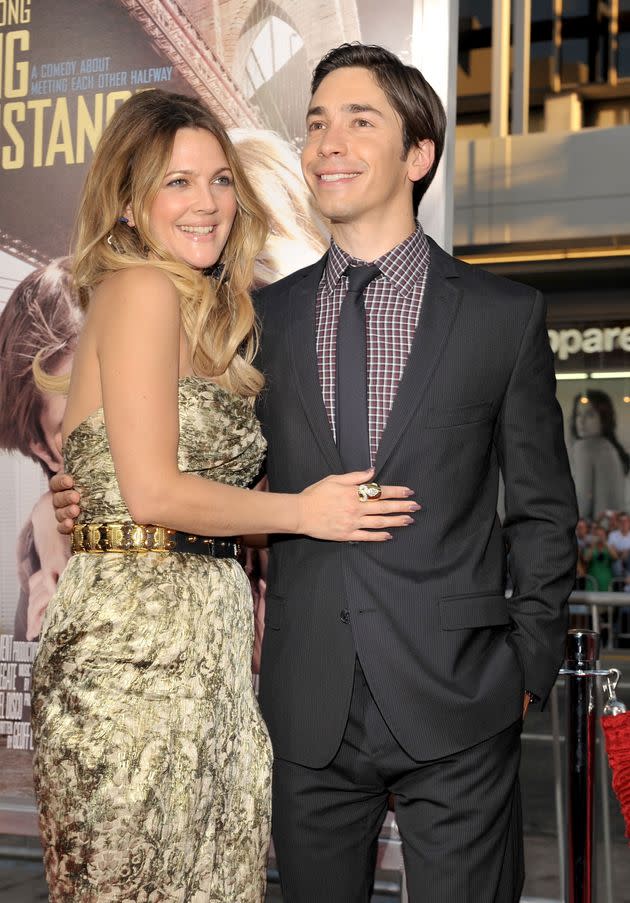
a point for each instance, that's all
(392, 308)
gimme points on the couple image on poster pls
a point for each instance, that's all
(392, 662)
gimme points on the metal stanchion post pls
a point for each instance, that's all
(557, 780)
(604, 791)
(581, 663)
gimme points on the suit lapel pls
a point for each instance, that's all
(302, 345)
(437, 313)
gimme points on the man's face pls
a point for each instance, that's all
(353, 159)
(624, 524)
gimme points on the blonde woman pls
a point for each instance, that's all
(152, 765)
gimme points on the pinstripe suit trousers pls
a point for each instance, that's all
(459, 817)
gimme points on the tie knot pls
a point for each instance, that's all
(360, 277)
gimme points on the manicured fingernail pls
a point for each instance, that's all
(414, 507)
(408, 491)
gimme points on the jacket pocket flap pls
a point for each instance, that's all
(274, 611)
(461, 612)
(470, 413)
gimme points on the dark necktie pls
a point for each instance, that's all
(353, 436)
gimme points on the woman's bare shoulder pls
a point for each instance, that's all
(142, 284)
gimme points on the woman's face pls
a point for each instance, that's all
(195, 206)
(587, 421)
(601, 535)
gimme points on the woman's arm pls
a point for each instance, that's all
(258, 540)
(136, 320)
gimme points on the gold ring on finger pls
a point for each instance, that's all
(368, 492)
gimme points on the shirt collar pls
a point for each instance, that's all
(404, 266)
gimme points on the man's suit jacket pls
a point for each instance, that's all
(446, 655)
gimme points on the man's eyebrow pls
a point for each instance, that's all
(346, 108)
(361, 108)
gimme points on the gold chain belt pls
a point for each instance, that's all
(129, 537)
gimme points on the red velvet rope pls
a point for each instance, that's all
(617, 733)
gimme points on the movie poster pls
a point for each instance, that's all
(593, 371)
(65, 67)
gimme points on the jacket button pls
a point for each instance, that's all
(344, 615)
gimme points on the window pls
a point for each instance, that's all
(275, 44)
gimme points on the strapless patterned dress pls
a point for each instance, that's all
(152, 762)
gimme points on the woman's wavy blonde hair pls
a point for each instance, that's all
(129, 164)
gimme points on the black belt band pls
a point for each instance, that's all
(215, 547)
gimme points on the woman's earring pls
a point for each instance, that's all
(111, 241)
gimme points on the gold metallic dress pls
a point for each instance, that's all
(152, 763)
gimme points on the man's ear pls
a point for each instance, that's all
(420, 159)
(45, 455)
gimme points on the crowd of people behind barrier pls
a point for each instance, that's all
(604, 552)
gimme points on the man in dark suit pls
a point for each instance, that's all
(400, 667)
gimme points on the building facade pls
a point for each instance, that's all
(542, 182)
